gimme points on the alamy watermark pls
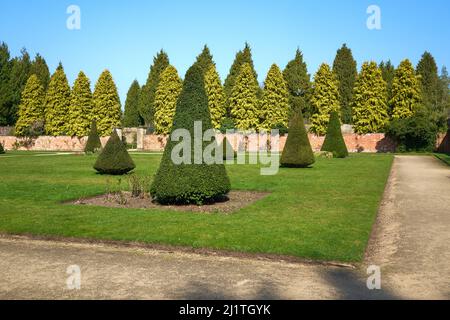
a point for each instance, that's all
(374, 20)
(73, 281)
(73, 22)
(374, 278)
(191, 150)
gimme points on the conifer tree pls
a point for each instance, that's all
(406, 95)
(430, 89)
(147, 96)
(324, 99)
(31, 108)
(216, 96)
(370, 111)
(107, 110)
(334, 141)
(20, 72)
(299, 84)
(131, 117)
(244, 101)
(193, 181)
(40, 69)
(275, 100)
(242, 57)
(344, 67)
(387, 71)
(114, 158)
(93, 143)
(57, 101)
(205, 59)
(297, 151)
(81, 110)
(5, 90)
(166, 97)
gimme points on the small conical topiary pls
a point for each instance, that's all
(2, 150)
(192, 181)
(93, 143)
(297, 152)
(114, 158)
(227, 149)
(334, 141)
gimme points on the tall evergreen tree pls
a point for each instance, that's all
(406, 93)
(40, 69)
(205, 59)
(81, 110)
(344, 67)
(430, 89)
(194, 181)
(31, 108)
(444, 91)
(242, 57)
(147, 96)
(244, 100)
(106, 102)
(166, 97)
(324, 99)
(5, 89)
(387, 71)
(298, 82)
(131, 117)
(370, 111)
(57, 102)
(216, 96)
(275, 100)
(19, 75)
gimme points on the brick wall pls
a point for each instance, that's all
(47, 143)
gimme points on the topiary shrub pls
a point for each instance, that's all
(114, 158)
(227, 149)
(334, 141)
(297, 152)
(93, 143)
(2, 149)
(190, 182)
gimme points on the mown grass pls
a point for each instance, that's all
(444, 157)
(325, 212)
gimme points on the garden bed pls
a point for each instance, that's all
(234, 201)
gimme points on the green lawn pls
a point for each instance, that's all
(444, 157)
(321, 213)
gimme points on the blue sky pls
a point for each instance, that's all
(123, 36)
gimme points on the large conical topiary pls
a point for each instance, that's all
(93, 143)
(114, 158)
(227, 149)
(297, 152)
(334, 141)
(191, 181)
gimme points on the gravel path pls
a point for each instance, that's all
(410, 243)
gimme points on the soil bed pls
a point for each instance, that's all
(234, 201)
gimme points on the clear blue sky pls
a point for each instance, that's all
(123, 36)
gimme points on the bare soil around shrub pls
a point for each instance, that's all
(234, 201)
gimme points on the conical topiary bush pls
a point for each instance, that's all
(194, 181)
(93, 143)
(227, 149)
(297, 152)
(2, 149)
(114, 158)
(334, 141)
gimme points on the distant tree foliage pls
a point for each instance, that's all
(324, 99)
(107, 109)
(387, 71)
(370, 111)
(57, 102)
(244, 104)
(344, 67)
(31, 108)
(216, 96)
(274, 106)
(131, 117)
(299, 84)
(40, 69)
(406, 91)
(205, 59)
(147, 96)
(81, 109)
(166, 97)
